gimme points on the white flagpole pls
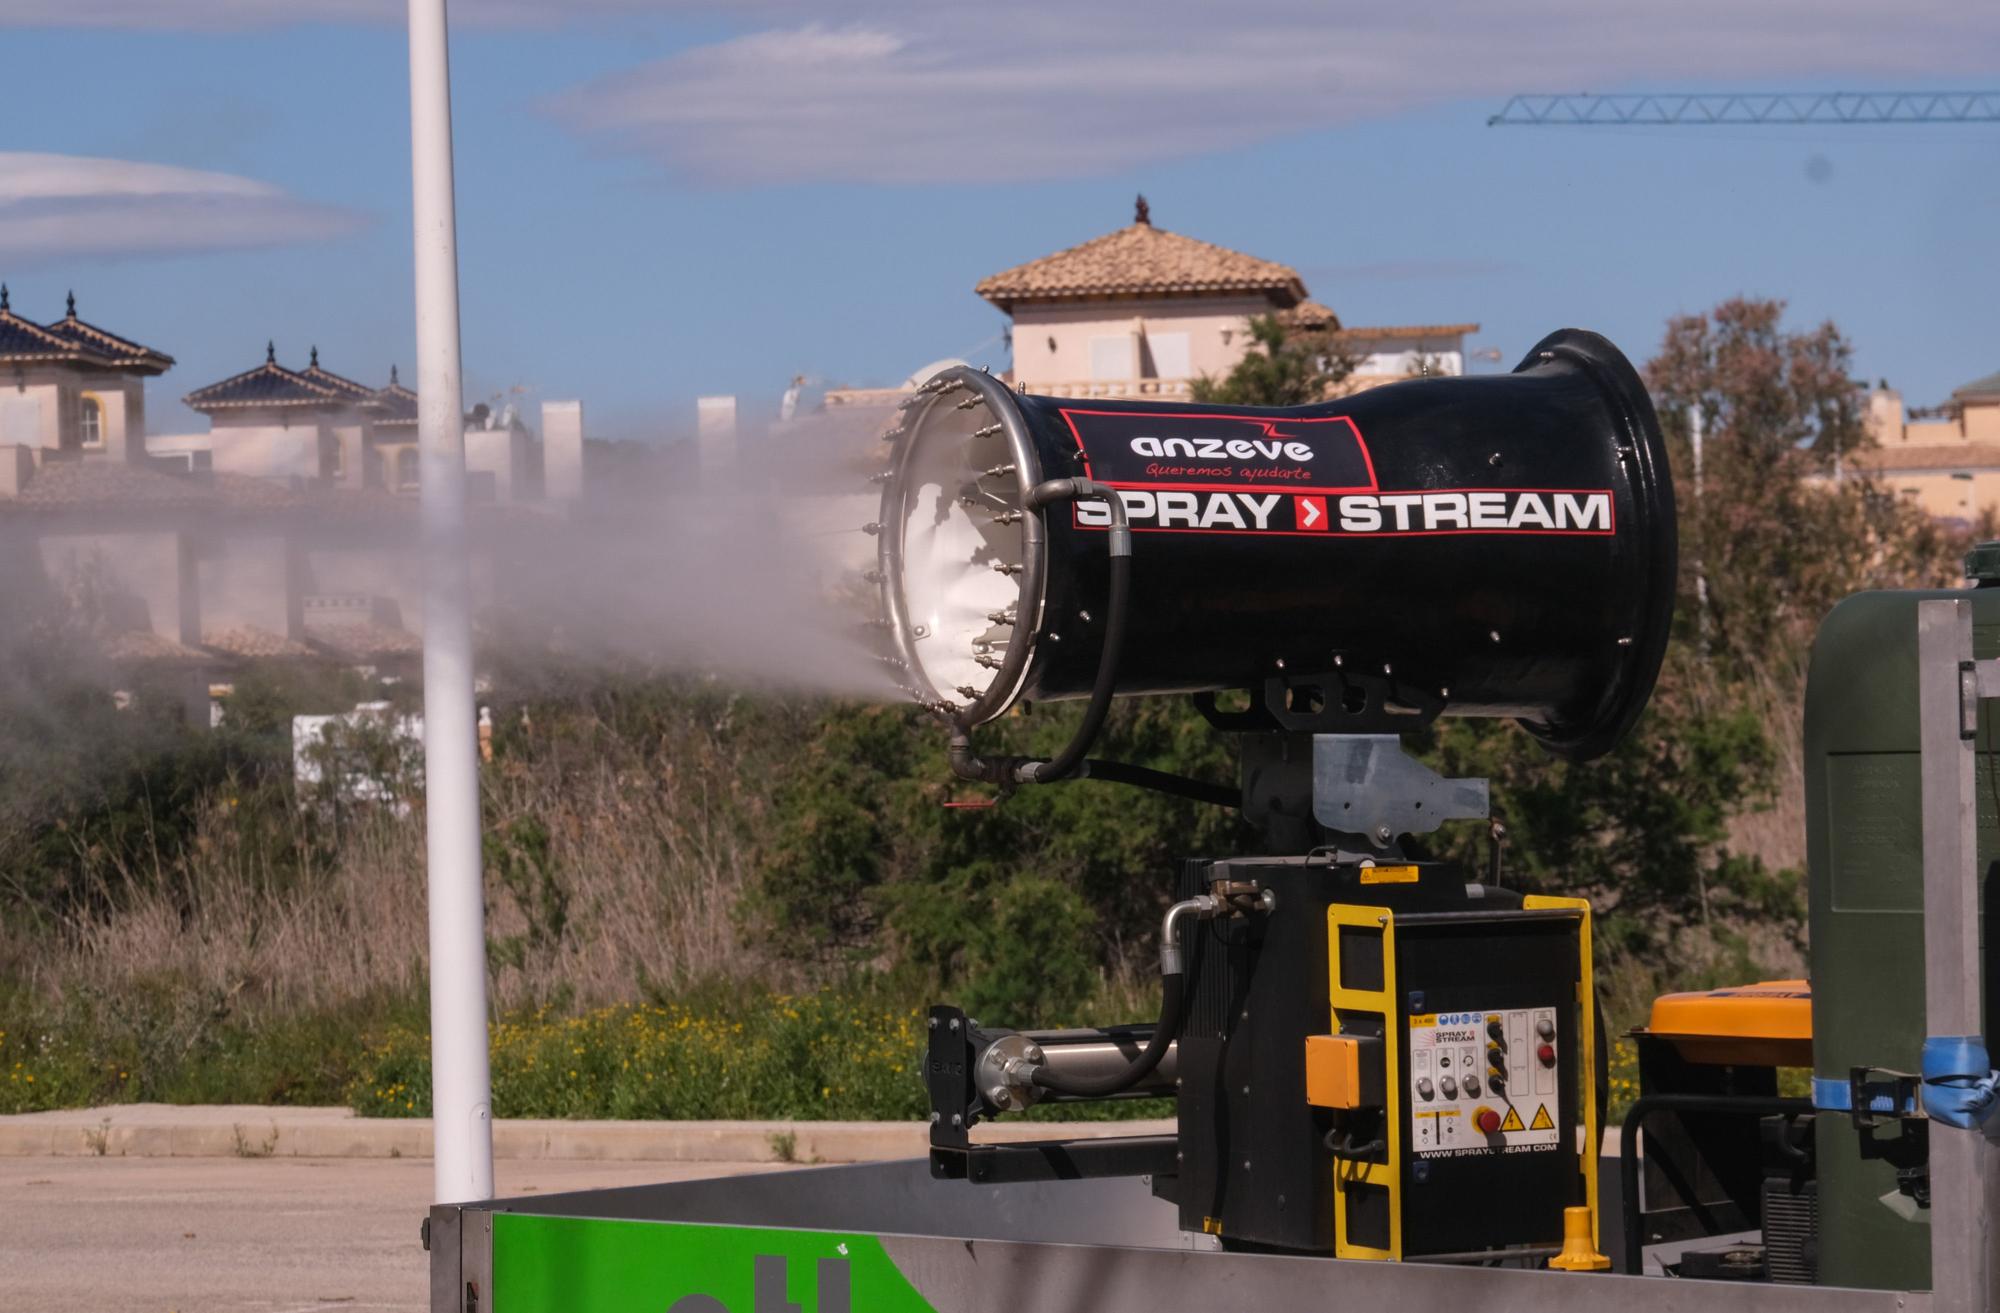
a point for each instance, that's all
(461, 1078)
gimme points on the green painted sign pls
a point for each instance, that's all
(585, 1265)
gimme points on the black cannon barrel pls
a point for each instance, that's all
(1486, 546)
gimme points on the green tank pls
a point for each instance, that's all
(1864, 852)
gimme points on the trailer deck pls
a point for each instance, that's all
(887, 1238)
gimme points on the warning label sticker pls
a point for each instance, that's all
(1483, 1082)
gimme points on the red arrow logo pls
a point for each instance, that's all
(1310, 512)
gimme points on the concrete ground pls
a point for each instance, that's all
(245, 1235)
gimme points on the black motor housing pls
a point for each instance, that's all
(1489, 546)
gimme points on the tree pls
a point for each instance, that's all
(1778, 539)
(1281, 367)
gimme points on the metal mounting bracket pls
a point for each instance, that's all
(1364, 784)
(1977, 680)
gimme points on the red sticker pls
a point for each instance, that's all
(1310, 512)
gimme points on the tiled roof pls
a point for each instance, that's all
(399, 404)
(144, 647)
(22, 342)
(1410, 332)
(250, 643)
(365, 640)
(269, 385)
(1903, 458)
(70, 339)
(120, 351)
(106, 485)
(356, 393)
(1141, 260)
(1309, 314)
(1979, 389)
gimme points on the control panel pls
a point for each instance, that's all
(1483, 1082)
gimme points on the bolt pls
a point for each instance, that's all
(989, 431)
(1494, 459)
(1382, 834)
(1339, 660)
(1034, 1053)
(1386, 670)
(936, 1117)
(1083, 616)
(1246, 1164)
(1281, 663)
(1003, 1098)
(1625, 642)
(1246, 1089)
(954, 1025)
(1493, 634)
(957, 1120)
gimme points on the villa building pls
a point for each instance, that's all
(1948, 462)
(1144, 312)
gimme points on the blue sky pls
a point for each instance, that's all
(659, 200)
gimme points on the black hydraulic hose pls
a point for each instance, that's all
(1008, 771)
(1172, 1006)
(1065, 762)
(1762, 1105)
(1144, 777)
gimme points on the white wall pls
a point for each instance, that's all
(248, 579)
(265, 448)
(154, 569)
(562, 450)
(1196, 337)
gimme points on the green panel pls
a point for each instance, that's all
(1874, 806)
(577, 1264)
(1864, 845)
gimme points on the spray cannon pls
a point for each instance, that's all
(1495, 546)
(1361, 1044)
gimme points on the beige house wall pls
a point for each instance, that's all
(1217, 334)
(31, 410)
(43, 408)
(1946, 494)
(249, 579)
(390, 572)
(1888, 423)
(266, 448)
(153, 571)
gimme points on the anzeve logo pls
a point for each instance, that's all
(768, 1274)
(1223, 448)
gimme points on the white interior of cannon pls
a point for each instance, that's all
(952, 550)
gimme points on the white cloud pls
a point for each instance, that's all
(895, 91)
(947, 93)
(62, 205)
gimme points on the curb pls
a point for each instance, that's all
(160, 1131)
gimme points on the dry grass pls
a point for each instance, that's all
(630, 885)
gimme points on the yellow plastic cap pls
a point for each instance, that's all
(1579, 1246)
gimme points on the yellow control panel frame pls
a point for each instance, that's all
(1586, 1075)
(1382, 1003)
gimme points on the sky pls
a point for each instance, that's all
(660, 199)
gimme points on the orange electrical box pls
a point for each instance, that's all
(1333, 1071)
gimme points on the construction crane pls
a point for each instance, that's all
(1748, 108)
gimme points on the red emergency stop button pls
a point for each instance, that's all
(1547, 1055)
(1487, 1120)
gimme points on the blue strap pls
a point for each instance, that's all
(1830, 1095)
(1959, 1081)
